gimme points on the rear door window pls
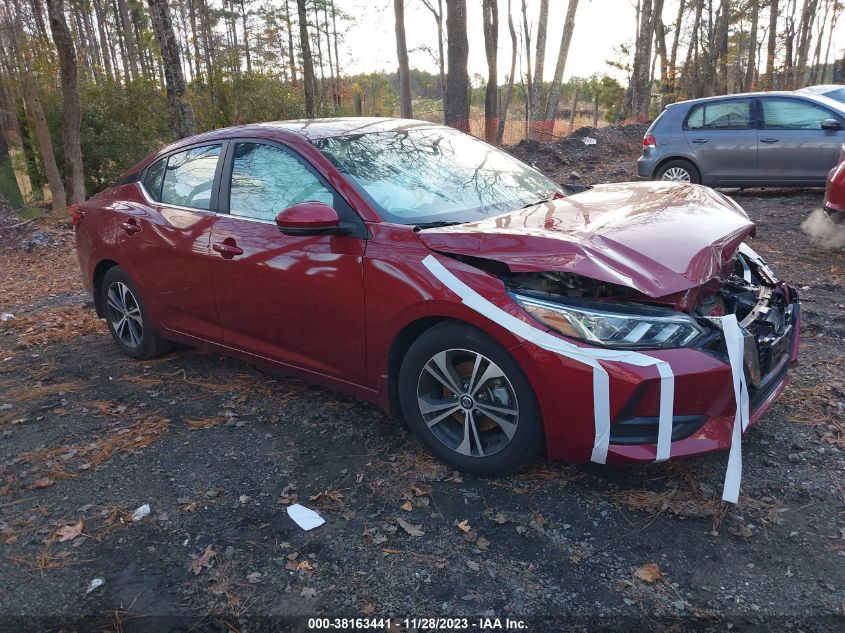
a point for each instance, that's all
(189, 177)
(793, 114)
(736, 114)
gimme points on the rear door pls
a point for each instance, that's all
(166, 241)
(294, 299)
(793, 147)
(723, 138)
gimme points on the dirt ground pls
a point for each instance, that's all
(219, 448)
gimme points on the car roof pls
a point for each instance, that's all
(818, 98)
(820, 89)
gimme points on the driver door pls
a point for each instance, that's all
(297, 300)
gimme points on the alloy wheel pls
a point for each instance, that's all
(676, 174)
(125, 314)
(467, 402)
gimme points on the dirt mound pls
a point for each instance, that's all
(612, 157)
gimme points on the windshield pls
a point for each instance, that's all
(433, 175)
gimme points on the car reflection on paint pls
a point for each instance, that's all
(499, 313)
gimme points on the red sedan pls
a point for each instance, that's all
(421, 269)
(834, 193)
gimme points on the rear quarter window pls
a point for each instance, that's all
(153, 179)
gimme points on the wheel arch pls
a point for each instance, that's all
(100, 270)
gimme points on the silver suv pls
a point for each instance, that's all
(761, 139)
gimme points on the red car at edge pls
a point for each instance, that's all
(413, 266)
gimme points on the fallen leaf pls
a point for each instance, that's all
(69, 532)
(309, 593)
(482, 543)
(189, 507)
(254, 578)
(420, 492)
(412, 530)
(407, 506)
(11, 540)
(304, 566)
(206, 559)
(368, 608)
(464, 526)
(500, 518)
(44, 482)
(742, 530)
(473, 565)
(649, 572)
(539, 522)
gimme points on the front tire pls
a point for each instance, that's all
(679, 170)
(469, 402)
(127, 317)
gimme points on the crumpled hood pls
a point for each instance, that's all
(658, 238)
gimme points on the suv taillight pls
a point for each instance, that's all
(77, 216)
(649, 141)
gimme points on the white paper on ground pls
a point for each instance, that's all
(304, 517)
(141, 512)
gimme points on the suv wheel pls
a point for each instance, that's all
(469, 402)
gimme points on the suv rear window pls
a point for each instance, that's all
(721, 115)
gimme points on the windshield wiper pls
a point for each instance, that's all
(433, 225)
(536, 202)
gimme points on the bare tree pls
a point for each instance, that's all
(563, 53)
(490, 10)
(456, 111)
(402, 56)
(307, 62)
(182, 121)
(441, 58)
(291, 57)
(71, 110)
(772, 45)
(537, 106)
(752, 47)
(506, 100)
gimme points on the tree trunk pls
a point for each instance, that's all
(805, 36)
(71, 111)
(748, 84)
(490, 11)
(672, 73)
(528, 78)
(307, 63)
(772, 45)
(182, 121)
(456, 112)
(402, 56)
(572, 110)
(563, 53)
(638, 95)
(291, 56)
(105, 44)
(129, 39)
(246, 38)
(537, 105)
(509, 93)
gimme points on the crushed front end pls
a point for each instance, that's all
(703, 403)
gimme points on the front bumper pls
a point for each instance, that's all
(703, 409)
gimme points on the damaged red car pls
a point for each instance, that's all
(499, 313)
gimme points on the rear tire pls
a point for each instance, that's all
(679, 170)
(481, 415)
(127, 317)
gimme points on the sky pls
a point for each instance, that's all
(600, 26)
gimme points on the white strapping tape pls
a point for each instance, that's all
(585, 355)
(735, 343)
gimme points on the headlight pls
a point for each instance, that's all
(652, 328)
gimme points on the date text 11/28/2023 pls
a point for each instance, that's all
(423, 623)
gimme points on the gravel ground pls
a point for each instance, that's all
(218, 448)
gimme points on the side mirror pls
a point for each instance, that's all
(831, 124)
(308, 218)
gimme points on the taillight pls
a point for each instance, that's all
(77, 216)
(649, 141)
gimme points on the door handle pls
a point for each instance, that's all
(769, 140)
(228, 249)
(699, 140)
(131, 227)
